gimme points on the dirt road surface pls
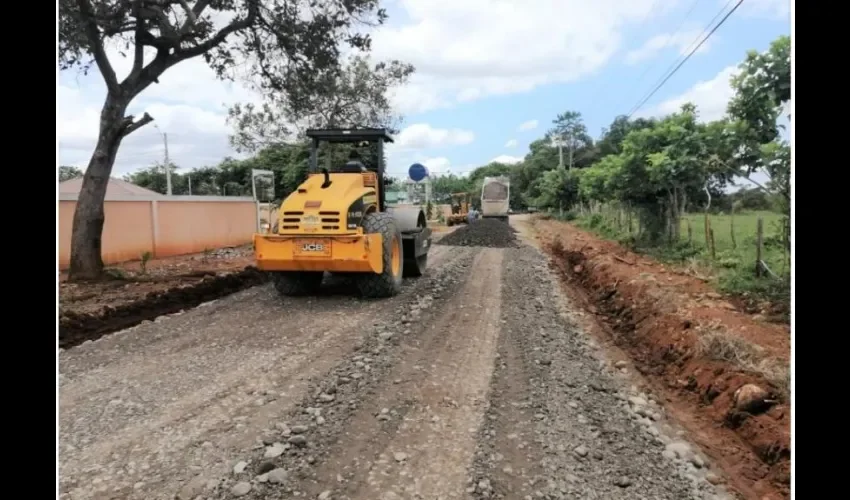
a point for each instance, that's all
(476, 382)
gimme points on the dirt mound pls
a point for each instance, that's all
(76, 328)
(482, 233)
(694, 346)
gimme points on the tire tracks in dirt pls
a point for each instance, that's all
(169, 398)
(413, 366)
(443, 388)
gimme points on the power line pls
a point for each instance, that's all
(672, 37)
(679, 58)
(601, 88)
(688, 56)
(683, 56)
(696, 38)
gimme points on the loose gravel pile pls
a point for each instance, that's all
(482, 233)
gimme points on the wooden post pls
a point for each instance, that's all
(707, 230)
(711, 236)
(759, 245)
(669, 216)
(690, 232)
(732, 230)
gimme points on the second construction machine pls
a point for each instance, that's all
(460, 205)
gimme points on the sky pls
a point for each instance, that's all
(491, 75)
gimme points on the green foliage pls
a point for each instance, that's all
(291, 50)
(664, 168)
(442, 187)
(569, 215)
(355, 95)
(67, 173)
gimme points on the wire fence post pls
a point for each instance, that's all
(732, 230)
(759, 245)
(713, 248)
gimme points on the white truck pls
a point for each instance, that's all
(495, 197)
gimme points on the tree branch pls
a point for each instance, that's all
(93, 36)
(139, 54)
(760, 186)
(218, 38)
(192, 14)
(129, 126)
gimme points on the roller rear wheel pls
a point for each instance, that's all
(388, 282)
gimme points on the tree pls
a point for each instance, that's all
(657, 171)
(558, 189)
(289, 44)
(155, 179)
(570, 127)
(615, 134)
(355, 95)
(445, 185)
(67, 173)
(761, 90)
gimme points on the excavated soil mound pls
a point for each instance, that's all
(76, 328)
(482, 233)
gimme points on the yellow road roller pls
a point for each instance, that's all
(338, 221)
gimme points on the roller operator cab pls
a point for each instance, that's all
(338, 221)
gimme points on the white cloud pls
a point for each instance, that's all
(506, 159)
(477, 48)
(770, 9)
(415, 97)
(422, 135)
(511, 143)
(710, 98)
(188, 104)
(437, 166)
(462, 50)
(684, 42)
(529, 125)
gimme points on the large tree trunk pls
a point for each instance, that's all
(86, 260)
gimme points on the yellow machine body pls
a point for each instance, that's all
(460, 209)
(318, 229)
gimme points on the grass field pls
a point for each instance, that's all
(733, 267)
(735, 239)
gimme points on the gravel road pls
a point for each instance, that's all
(474, 383)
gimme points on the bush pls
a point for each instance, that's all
(596, 221)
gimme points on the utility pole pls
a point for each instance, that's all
(560, 153)
(557, 140)
(189, 178)
(167, 161)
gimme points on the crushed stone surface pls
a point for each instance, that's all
(473, 383)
